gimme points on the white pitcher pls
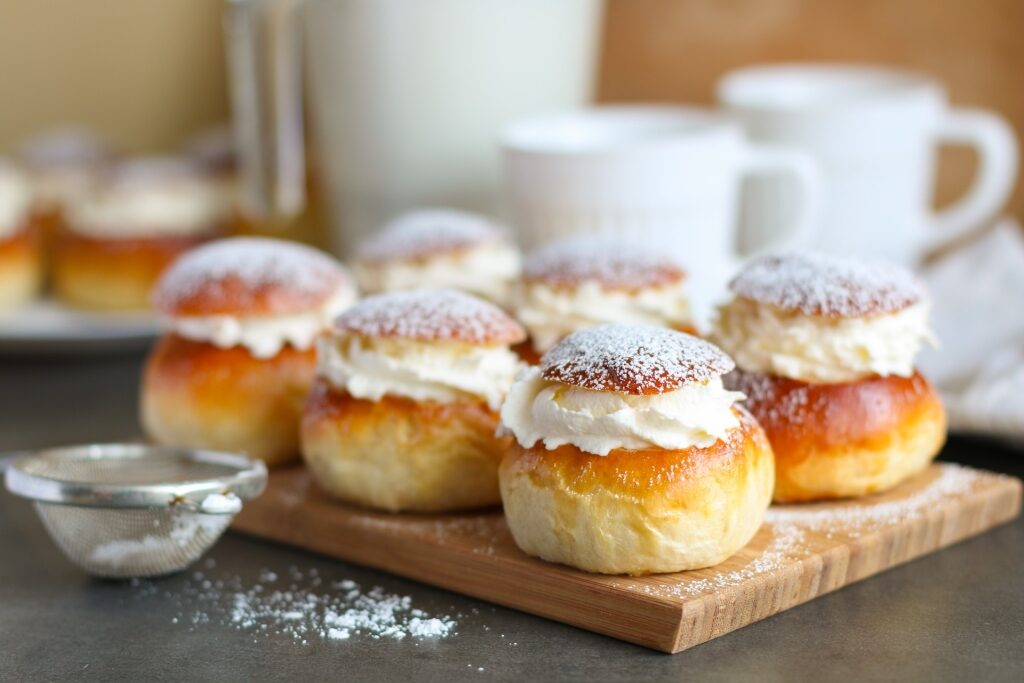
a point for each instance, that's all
(407, 97)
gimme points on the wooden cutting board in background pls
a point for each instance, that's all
(800, 553)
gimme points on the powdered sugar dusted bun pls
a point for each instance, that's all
(824, 319)
(613, 264)
(426, 233)
(431, 316)
(250, 276)
(64, 166)
(829, 286)
(15, 199)
(150, 197)
(63, 148)
(637, 360)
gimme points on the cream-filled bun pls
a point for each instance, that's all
(630, 455)
(439, 249)
(63, 166)
(238, 357)
(20, 257)
(584, 280)
(117, 239)
(404, 411)
(825, 347)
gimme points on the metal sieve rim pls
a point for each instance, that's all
(247, 481)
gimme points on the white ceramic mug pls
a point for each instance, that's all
(667, 176)
(874, 132)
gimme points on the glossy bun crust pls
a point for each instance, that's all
(112, 274)
(195, 394)
(844, 440)
(396, 454)
(639, 512)
(21, 269)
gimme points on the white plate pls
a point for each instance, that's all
(47, 327)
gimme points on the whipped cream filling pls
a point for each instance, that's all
(262, 336)
(176, 208)
(551, 314)
(422, 371)
(818, 349)
(487, 270)
(598, 422)
(59, 187)
(15, 198)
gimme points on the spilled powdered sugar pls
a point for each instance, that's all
(431, 315)
(634, 359)
(299, 606)
(834, 286)
(854, 520)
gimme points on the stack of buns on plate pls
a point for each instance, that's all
(100, 228)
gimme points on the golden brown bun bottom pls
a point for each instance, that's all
(397, 454)
(844, 440)
(112, 274)
(21, 269)
(195, 394)
(639, 512)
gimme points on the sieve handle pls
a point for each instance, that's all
(7, 459)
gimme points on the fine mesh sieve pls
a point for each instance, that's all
(131, 510)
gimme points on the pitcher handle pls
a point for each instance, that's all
(264, 65)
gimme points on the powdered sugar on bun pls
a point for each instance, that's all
(613, 264)
(441, 315)
(637, 360)
(829, 286)
(429, 232)
(250, 276)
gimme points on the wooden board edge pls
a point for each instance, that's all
(1000, 503)
(675, 626)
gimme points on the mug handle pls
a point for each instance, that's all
(996, 145)
(762, 159)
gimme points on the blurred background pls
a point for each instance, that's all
(147, 74)
(396, 117)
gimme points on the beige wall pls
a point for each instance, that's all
(143, 72)
(146, 72)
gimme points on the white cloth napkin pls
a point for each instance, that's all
(978, 316)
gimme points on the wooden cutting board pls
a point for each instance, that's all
(801, 552)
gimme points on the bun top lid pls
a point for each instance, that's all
(829, 286)
(614, 264)
(429, 232)
(633, 359)
(252, 276)
(428, 315)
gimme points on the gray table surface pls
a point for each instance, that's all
(955, 615)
